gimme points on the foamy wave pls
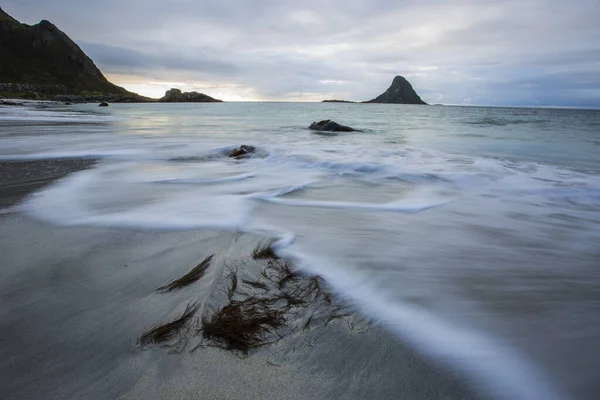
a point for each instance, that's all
(209, 181)
(502, 371)
(342, 205)
(75, 202)
(36, 115)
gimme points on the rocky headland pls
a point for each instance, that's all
(40, 62)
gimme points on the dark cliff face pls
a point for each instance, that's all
(400, 92)
(43, 55)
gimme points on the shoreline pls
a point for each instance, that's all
(74, 309)
(20, 178)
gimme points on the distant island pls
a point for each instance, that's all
(400, 92)
(176, 96)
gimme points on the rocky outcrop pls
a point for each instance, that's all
(10, 103)
(41, 62)
(241, 152)
(328, 125)
(337, 101)
(176, 96)
(400, 92)
(103, 104)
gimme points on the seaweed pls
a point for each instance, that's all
(264, 252)
(251, 320)
(286, 274)
(275, 304)
(234, 283)
(256, 284)
(166, 332)
(193, 276)
(241, 326)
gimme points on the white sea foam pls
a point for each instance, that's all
(502, 371)
(200, 181)
(343, 205)
(29, 114)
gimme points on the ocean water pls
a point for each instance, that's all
(473, 234)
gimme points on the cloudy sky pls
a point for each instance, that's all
(521, 52)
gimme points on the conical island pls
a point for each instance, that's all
(400, 92)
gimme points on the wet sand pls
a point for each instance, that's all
(74, 301)
(19, 178)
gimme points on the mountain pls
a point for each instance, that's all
(175, 96)
(42, 59)
(400, 92)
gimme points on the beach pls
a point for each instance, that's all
(439, 253)
(19, 178)
(76, 300)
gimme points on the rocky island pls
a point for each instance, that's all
(176, 96)
(400, 92)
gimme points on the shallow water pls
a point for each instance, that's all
(472, 233)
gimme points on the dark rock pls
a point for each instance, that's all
(400, 92)
(103, 104)
(10, 103)
(328, 125)
(337, 101)
(175, 96)
(241, 151)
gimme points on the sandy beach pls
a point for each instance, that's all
(19, 178)
(74, 302)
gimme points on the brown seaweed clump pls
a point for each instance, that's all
(241, 326)
(264, 252)
(273, 305)
(165, 332)
(260, 311)
(193, 276)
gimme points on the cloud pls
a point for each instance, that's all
(124, 60)
(488, 52)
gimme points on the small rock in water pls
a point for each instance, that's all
(10, 103)
(103, 104)
(328, 125)
(241, 151)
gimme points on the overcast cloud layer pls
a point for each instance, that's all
(525, 52)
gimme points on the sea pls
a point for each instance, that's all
(472, 234)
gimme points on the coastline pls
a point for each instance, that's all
(74, 309)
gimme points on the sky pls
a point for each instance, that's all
(484, 52)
